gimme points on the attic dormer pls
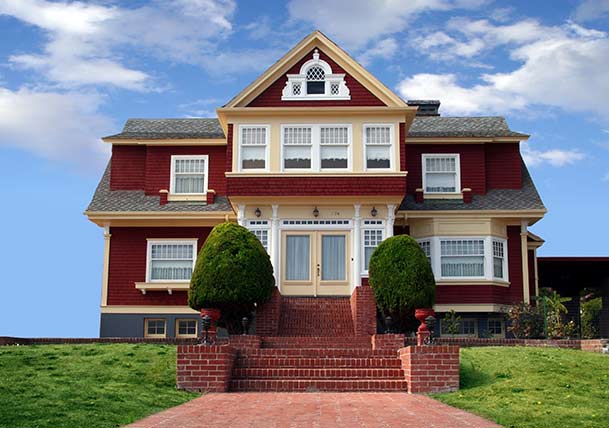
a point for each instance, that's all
(315, 81)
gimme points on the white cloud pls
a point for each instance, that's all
(385, 49)
(559, 67)
(592, 9)
(553, 157)
(57, 126)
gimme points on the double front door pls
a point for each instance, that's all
(315, 263)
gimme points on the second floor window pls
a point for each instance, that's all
(441, 173)
(171, 260)
(378, 140)
(253, 147)
(189, 174)
(316, 147)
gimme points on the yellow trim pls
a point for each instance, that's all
(146, 334)
(319, 40)
(495, 283)
(159, 218)
(525, 263)
(106, 267)
(464, 140)
(473, 307)
(167, 142)
(156, 310)
(265, 200)
(177, 329)
(472, 226)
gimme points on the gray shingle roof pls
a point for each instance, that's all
(438, 126)
(525, 198)
(422, 126)
(106, 200)
(170, 129)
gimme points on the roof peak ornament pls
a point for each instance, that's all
(315, 55)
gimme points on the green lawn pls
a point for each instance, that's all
(91, 386)
(534, 387)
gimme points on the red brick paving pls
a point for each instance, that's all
(318, 410)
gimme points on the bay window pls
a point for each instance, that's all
(441, 173)
(378, 143)
(253, 147)
(499, 262)
(462, 258)
(170, 261)
(315, 147)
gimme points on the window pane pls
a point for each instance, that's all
(263, 237)
(253, 157)
(171, 270)
(378, 157)
(372, 238)
(189, 183)
(187, 327)
(378, 135)
(441, 164)
(334, 157)
(494, 327)
(297, 254)
(441, 182)
(333, 258)
(463, 266)
(497, 267)
(155, 327)
(316, 88)
(297, 157)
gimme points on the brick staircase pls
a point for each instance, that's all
(317, 364)
(315, 316)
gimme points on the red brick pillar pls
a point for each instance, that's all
(203, 368)
(363, 311)
(429, 369)
(267, 315)
(388, 341)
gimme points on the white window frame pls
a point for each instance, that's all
(316, 146)
(172, 180)
(261, 225)
(391, 127)
(152, 242)
(457, 157)
(147, 320)
(436, 258)
(177, 327)
(369, 224)
(267, 142)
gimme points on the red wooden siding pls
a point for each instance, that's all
(128, 248)
(127, 169)
(360, 96)
(503, 166)
(158, 166)
(455, 294)
(315, 186)
(472, 164)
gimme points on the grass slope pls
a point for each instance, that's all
(534, 387)
(103, 385)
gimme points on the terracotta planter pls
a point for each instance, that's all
(214, 314)
(420, 315)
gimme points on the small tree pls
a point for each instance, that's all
(527, 321)
(232, 273)
(451, 323)
(590, 318)
(401, 278)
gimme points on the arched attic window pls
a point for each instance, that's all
(315, 82)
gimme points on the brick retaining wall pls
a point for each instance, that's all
(203, 368)
(429, 369)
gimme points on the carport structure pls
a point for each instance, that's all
(570, 275)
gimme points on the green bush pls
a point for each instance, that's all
(527, 321)
(232, 270)
(401, 277)
(590, 318)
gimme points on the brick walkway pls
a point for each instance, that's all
(318, 410)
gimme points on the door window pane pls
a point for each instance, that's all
(297, 258)
(333, 258)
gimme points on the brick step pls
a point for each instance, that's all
(304, 362)
(317, 353)
(313, 385)
(349, 342)
(315, 316)
(317, 373)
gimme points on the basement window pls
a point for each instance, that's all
(155, 327)
(186, 328)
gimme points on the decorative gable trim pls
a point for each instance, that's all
(315, 71)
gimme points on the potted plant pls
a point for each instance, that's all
(232, 274)
(402, 279)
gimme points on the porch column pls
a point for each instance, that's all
(524, 248)
(241, 215)
(104, 293)
(604, 321)
(357, 245)
(275, 242)
(390, 220)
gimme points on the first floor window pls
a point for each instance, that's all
(441, 173)
(378, 141)
(186, 328)
(498, 259)
(154, 327)
(253, 144)
(260, 229)
(372, 239)
(171, 260)
(189, 174)
(462, 258)
(495, 327)
(426, 247)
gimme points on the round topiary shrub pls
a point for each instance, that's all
(401, 277)
(233, 270)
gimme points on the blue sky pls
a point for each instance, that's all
(72, 72)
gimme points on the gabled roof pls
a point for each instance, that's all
(320, 40)
(169, 129)
(526, 198)
(422, 126)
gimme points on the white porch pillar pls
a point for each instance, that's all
(275, 242)
(106, 268)
(524, 233)
(241, 215)
(390, 220)
(357, 246)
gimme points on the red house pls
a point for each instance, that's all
(322, 162)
